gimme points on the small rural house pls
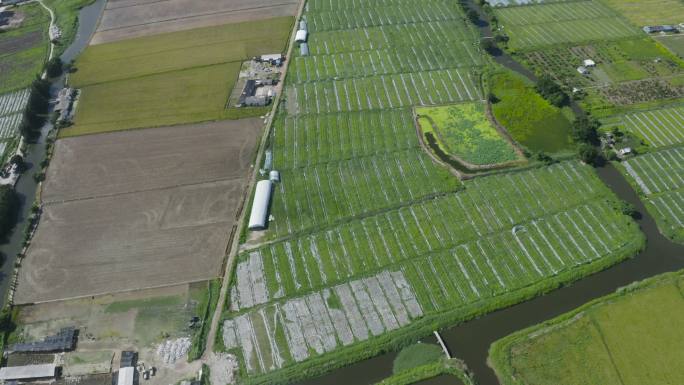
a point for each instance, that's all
(589, 63)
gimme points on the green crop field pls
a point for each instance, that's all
(659, 179)
(675, 43)
(468, 134)
(649, 12)
(529, 118)
(631, 337)
(23, 50)
(173, 78)
(548, 24)
(370, 243)
(660, 127)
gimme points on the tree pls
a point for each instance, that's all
(585, 130)
(551, 91)
(54, 67)
(590, 154)
(473, 16)
(489, 46)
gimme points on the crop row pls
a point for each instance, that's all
(383, 92)
(537, 35)
(378, 16)
(296, 329)
(662, 127)
(9, 125)
(487, 206)
(550, 13)
(658, 172)
(311, 197)
(307, 140)
(330, 5)
(385, 61)
(13, 102)
(374, 38)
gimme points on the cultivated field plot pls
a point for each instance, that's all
(541, 25)
(346, 284)
(631, 337)
(659, 178)
(162, 216)
(127, 19)
(659, 128)
(649, 12)
(11, 109)
(175, 78)
(466, 132)
(23, 50)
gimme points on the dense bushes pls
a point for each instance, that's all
(551, 91)
(36, 110)
(9, 208)
(416, 355)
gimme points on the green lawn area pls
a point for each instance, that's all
(528, 117)
(23, 50)
(630, 337)
(467, 133)
(416, 355)
(168, 79)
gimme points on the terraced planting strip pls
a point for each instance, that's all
(659, 128)
(499, 235)
(659, 178)
(540, 25)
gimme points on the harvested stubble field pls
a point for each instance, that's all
(659, 178)
(371, 242)
(159, 217)
(128, 19)
(174, 78)
(540, 25)
(631, 337)
(23, 50)
(466, 133)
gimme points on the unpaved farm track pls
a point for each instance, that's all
(126, 19)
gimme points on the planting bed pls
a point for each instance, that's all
(649, 12)
(630, 337)
(659, 179)
(157, 216)
(499, 235)
(467, 133)
(535, 26)
(127, 19)
(659, 127)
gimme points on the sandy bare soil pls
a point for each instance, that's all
(126, 19)
(137, 209)
(121, 162)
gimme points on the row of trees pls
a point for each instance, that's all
(36, 110)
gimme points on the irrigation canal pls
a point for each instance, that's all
(27, 186)
(470, 341)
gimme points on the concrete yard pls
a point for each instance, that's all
(137, 209)
(126, 19)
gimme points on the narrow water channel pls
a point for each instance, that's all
(26, 186)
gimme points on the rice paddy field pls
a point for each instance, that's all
(649, 12)
(659, 179)
(467, 133)
(631, 337)
(659, 128)
(173, 78)
(547, 24)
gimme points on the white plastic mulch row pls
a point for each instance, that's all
(13, 102)
(320, 322)
(9, 125)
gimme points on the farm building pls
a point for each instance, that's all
(660, 28)
(302, 25)
(64, 340)
(274, 176)
(28, 372)
(588, 63)
(126, 376)
(262, 199)
(304, 49)
(300, 36)
(583, 70)
(255, 101)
